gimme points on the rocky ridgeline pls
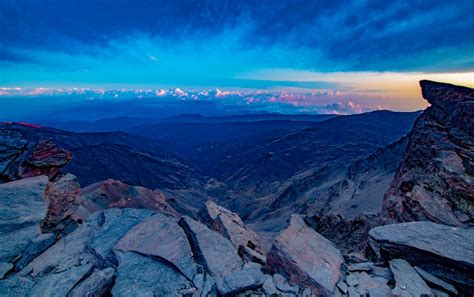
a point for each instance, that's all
(435, 181)
(111, 238)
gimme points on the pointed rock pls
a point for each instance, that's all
(229, 225)
(65, 210)
(436, 282)
(407, 282)
(308, 259)
(213, 251)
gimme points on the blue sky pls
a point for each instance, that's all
(356, 48)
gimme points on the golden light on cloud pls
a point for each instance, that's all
(398, 90)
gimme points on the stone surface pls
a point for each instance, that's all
(160, 236)
(441, 142)
(138, 276)
(97, 284)
(444, 251)
(436, 282)
(214, 252)
(307, 258)
(22, 208)
(248, 278)
(268, 286)
(250, 255)
(364, 266)
(229, 225)
(407, 280)
(283, 286)
(368, 285)
(5, 268)
(62, 266)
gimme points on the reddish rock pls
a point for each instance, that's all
(46, 158)
(65, 210)
(229, 225)
(305, 258)
(435, 181)
(114, 194)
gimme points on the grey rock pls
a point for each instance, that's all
(449, 249)
(95, 285)
(439, 293)
(342, 286)
(436, 282)
(208, 289)
(382, 291)
(5, 268)
(22, 207)
(161, 236)
(282, 285)
(309, 259)
(138, 275)
(352, 279)
(250, 255)
(364, 266)
(249, 278)
(407, 280)
(369, 284)
(37, 245)
(62, 266)
(382, 272)
(268, 286)
(214, 252)
(352, 292)
(229, 225)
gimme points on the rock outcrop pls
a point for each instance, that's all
(65, 207)
(305, 258)
(444, 251)
(435, 181)
(115, 194)
(229, 225)
(21, 158)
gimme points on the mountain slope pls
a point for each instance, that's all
(98, 156)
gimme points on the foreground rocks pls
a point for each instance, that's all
(123, 252)
(22, 208)
(444, 251)
(307, 258)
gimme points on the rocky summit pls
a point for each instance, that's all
(395, 222)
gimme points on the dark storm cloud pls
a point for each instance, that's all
(325, 35)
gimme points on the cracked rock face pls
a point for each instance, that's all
(435, 181)
(444, 251)
(22, 208)
(306, 257)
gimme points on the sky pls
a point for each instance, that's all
(279, 55)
